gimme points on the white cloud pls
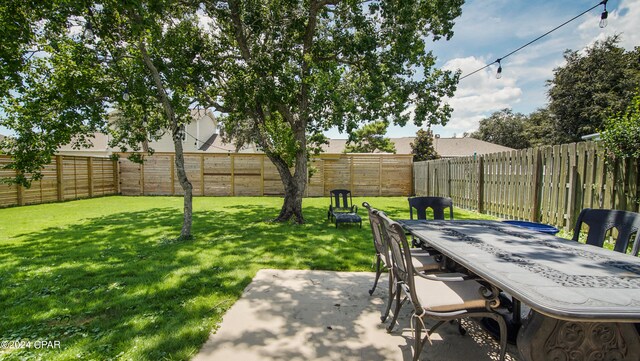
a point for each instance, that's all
(489, 29)
(478, 95)
(623, 20)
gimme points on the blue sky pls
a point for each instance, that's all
(489, 29)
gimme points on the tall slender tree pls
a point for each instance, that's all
(145, 60)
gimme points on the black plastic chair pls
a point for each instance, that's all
(600, 221)
(437, 204)
(341, 209)
(421, 204)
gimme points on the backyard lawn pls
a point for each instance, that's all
(106, 279)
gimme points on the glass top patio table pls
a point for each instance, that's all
(556, 277)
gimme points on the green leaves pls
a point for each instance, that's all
(591, 87)
(422, 147)
(621, 134)
(370, 138)
(62, 101)
(504, 128)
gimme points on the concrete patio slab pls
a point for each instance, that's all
(322, 315)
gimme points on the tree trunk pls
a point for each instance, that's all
(294, 184)
(185, 233)
(292, 206)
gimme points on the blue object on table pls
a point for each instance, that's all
(544, 228)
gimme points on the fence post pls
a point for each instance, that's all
(571, 202)
(233, 176)
(116, 176)
(537, 185)
(262, 177)
(428, 178)
(351, 173)
(173, 174)
(480, 184)
(59, 175)
(380, 176)
(573, 185)
(90, 174)
(448, 178)
(19, 192)
(202, 173)
(142, 176)
(412, 192)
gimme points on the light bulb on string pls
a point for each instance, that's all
(88, 31)
(499, 72)
(604, 15)
(125, 94)
(88, 28)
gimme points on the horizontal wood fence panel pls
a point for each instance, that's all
(549, 184)
(66, 178)
(255, 175)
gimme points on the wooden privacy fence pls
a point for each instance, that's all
(549, 184)
(67, 177)
(241, 174)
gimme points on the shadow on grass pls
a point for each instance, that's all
(116, 284)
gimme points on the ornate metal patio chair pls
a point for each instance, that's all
(600, 221)
(341, 209)
(441, 297)
(421, 259)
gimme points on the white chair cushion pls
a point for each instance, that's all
(441, 296)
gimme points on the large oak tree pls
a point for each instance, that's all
(279, 72)
(293, 69)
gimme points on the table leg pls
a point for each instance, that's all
(517, 316)
(546, 338)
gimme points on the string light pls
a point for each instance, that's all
(125, 94)
(199, 141)
(602, 17)
(499, 72)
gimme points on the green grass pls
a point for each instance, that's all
(107, 279)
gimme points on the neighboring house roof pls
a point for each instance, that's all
(201, 136)
(462, 147)
(445, 147)
(335, 146)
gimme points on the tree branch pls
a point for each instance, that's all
(162, 93)
(239, 30)
(215, 104)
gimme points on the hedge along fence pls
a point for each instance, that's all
(66, 178)
(241, 174)
(549, 184)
